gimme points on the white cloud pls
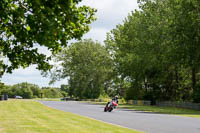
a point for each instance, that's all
(30, 75)
(110, 13)
(44, 50)
(97, 34)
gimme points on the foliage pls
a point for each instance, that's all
(153, 55)
(27, 24)
(157, 47)
(65, 90)
(1, 65)
(196, 94)
(87, 64)
(35, 90)
(22, 89)
(48, 92)
(133, 93)
(28, 91)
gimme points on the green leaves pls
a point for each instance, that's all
(46, 23)
(157, 47)
(87, 64)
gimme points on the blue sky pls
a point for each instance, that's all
(109, 14)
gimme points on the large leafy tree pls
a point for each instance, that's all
(185, 32)
(156, 47)
(27, 24)
(88, 66)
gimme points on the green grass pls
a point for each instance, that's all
(164, 110)
(157, 109)
(29, 116)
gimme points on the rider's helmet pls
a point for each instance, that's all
(116, 97)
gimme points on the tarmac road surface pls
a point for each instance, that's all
(143, 121)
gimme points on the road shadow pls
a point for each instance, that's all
(152, 109)
(162, 110)
(141, 111)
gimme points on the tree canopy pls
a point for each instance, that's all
(26, 24)
(87, 64)
(153, 55)
(156, 47)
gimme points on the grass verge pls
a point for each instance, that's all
(28, 116)
(164, 110)
(157, 109)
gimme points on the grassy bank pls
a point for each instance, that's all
(27, 116)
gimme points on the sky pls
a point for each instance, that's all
(109, 14)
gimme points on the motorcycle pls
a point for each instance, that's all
(110, 106)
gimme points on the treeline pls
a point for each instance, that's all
(157, 50)
(28, 91)
(153, 55)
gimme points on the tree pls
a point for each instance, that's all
(26, 24)
(64, 87)
(87, 64)
(49, 92)
(2, 87)
(185, 32)
(65, 90)
(35, 90)
(22, 89)
(157, 48)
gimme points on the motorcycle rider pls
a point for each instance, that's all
(115, 99)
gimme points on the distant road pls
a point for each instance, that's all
(147, 122)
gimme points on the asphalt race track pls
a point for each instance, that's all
(147, 122)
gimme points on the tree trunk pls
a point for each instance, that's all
(176, 77)
(193, 78)
(177, 82)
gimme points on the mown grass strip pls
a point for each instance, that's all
(26, 116)
(164, 110)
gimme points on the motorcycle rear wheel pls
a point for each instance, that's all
(110, 109)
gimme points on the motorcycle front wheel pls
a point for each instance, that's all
(105, 110)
